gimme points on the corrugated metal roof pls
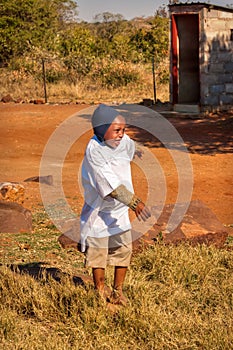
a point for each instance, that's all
(201, 4)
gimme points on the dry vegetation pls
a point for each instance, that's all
(25, 86)
(179, 298)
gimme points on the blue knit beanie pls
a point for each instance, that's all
(102, 118)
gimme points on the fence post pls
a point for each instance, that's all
(44, 80)
(154, 81)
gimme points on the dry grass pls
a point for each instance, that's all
(85, 92)
(28, 85)
(179, 298)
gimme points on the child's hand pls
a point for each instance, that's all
(142, 212)
(138, 151)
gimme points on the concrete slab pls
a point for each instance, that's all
(188, 108)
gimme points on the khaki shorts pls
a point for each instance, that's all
(114, 250)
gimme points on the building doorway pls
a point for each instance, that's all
(185, 59)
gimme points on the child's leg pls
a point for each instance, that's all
(117, 294)
(96, 257)
(98, 277)
(120, 256)
(119, 277)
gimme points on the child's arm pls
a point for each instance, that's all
(132, 201)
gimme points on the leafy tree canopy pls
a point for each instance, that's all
(28, 23)
(108, 17)
(52, 27)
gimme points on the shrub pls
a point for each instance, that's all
(114, 73)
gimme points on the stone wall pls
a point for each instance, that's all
(216, 58)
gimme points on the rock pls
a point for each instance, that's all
(7, 99)
(19, 100)
(198, 226)
(38, 102)
(14, 218)
(67, 242)
(48, 179)
(71, 237)
(147, 102)
(12, 192)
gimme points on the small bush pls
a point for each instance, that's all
(114, 73)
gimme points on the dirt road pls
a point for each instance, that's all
(25, 130)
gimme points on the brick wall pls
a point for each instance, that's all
(216, 58)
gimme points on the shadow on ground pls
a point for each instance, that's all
(207, 136)
(39, 272)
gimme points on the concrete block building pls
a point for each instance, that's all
(201, 57)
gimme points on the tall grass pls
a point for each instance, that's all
(107, 81)
(180, 297)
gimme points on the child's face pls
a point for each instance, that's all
(115, 132)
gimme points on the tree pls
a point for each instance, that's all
(25, 24)
(77, 48)
(108, 17)
(162, 12)
(151, 39)
(112, 33)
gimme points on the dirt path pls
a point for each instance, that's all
(25, 130)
